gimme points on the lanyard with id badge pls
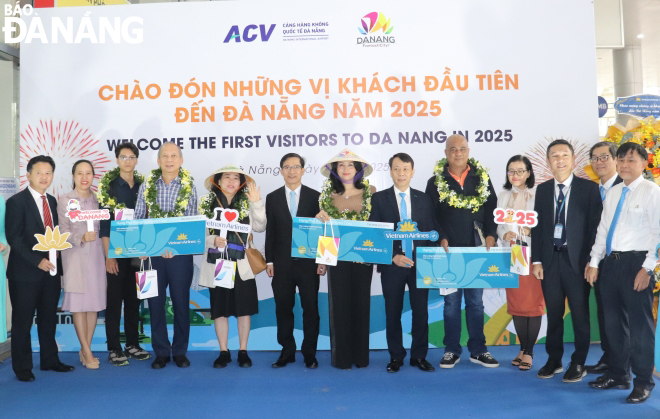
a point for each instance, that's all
(559, 227)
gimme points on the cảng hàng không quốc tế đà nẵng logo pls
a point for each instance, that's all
(376, 31)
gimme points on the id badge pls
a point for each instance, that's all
(558, 230)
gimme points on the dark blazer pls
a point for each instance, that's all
(279, 225)
(617, 180)
(22, 222)
(458, 223)
(582, 218)
(384, 208)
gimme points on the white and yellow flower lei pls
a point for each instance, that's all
(102, 193)
(150, 194)
(327, 204)
(457, 200)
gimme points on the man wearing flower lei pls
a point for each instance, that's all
(464, 200)
(169, 192)
(346, 195)
(118, 189)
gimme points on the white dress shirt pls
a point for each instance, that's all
(288, 195)
(407, 198)
(608, 185)
(40, 205)
(638, 227)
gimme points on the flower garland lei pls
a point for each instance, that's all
(102, 193)
(181, 203)
(457, 200)
(243, 205)
(328, 205)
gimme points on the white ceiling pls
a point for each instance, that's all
(640, 17)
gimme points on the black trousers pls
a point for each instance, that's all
(176, 273)
(349, 300)
(394, 280)
(121, 289)
(561, 282)
(26, 297)
(302, 275)
(628, 319)
(604, 343)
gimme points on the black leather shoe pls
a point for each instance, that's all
(223, 360)
(160, 362)
(574, 373)
(283, 360)
(59, 367)
(550, 369)
(181, 361)
(244, 360)
(599, 368)
(25, 376)
(638, 395)
(394, 365)
(422, 364)
(311, 363)
(605, 383)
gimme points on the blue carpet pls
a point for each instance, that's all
(468, 390)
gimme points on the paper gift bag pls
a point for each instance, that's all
(520, 256)
(146, 282)
(327, 249)
(225, 273)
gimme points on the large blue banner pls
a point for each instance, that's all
(359, 241)
(465, 267)
(154, 236)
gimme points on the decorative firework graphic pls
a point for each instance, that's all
(66, 142)
(537, 155)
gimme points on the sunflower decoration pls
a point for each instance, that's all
(645, 132)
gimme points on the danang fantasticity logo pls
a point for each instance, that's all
(69, 30)
(376, 30)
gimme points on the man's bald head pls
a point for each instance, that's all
(170, 159)
(168, 145)
(457, 152)
(455, 140)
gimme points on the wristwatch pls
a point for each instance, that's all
(651, 273)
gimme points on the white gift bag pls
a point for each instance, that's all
(327, 248)
(225, 273)
(146, 282)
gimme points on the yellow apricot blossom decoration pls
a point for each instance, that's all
(52, 240)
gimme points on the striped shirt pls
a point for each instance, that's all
(166, 196)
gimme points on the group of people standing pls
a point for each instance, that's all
(571, 242)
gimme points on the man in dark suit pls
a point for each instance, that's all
(292, 200)
(391, 206)
(31, 286)
(569, 210)
(603, 162)
(464, 227)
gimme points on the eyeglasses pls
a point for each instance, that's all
(287, 168)
(596, 159)
(518, 172)
(129, 158)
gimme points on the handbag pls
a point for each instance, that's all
(146, 282)
(254, 256)
(327, 249)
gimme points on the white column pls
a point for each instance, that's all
(628, 76)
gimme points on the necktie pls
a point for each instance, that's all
(615, 219)
(602, 193)
(48, 220)
(403, 209)
(293, 206)
(560, 217)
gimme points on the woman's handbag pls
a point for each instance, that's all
(254, 256)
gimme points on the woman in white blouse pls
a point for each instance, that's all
(524, 303)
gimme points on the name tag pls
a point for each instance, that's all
(558, 230)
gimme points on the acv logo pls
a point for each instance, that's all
(250, 33)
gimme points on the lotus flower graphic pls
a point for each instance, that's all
(143, 240)
(143, 286)
(302, 240)
(451, 269)
(374, 21)
(52, 240)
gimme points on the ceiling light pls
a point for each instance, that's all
(640, 36)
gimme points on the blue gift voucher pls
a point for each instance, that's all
(465, 267)
(154, 236)
(359, 241)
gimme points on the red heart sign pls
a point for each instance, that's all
(229, 215)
